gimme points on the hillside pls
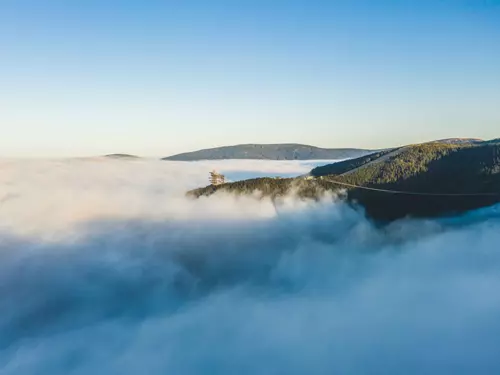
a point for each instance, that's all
(460, 141)
(270, 152)
(432, 168)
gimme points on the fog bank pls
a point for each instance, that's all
(106, 268)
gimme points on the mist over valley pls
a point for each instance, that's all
(108, 268)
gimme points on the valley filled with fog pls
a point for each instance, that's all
(107, 268)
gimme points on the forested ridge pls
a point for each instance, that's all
(434, 168)
(285, 151)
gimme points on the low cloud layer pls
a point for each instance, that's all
(106, 268)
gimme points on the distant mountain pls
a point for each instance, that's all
(436, 178)
(493, 141)
(270, 152)
(121, 156)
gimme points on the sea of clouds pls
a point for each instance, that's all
(107, 268)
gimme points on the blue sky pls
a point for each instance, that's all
(158, 77)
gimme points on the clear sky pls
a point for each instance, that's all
(88, 77)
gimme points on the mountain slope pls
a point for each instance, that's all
(431, 168)
(270, 152)
(460, 141)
